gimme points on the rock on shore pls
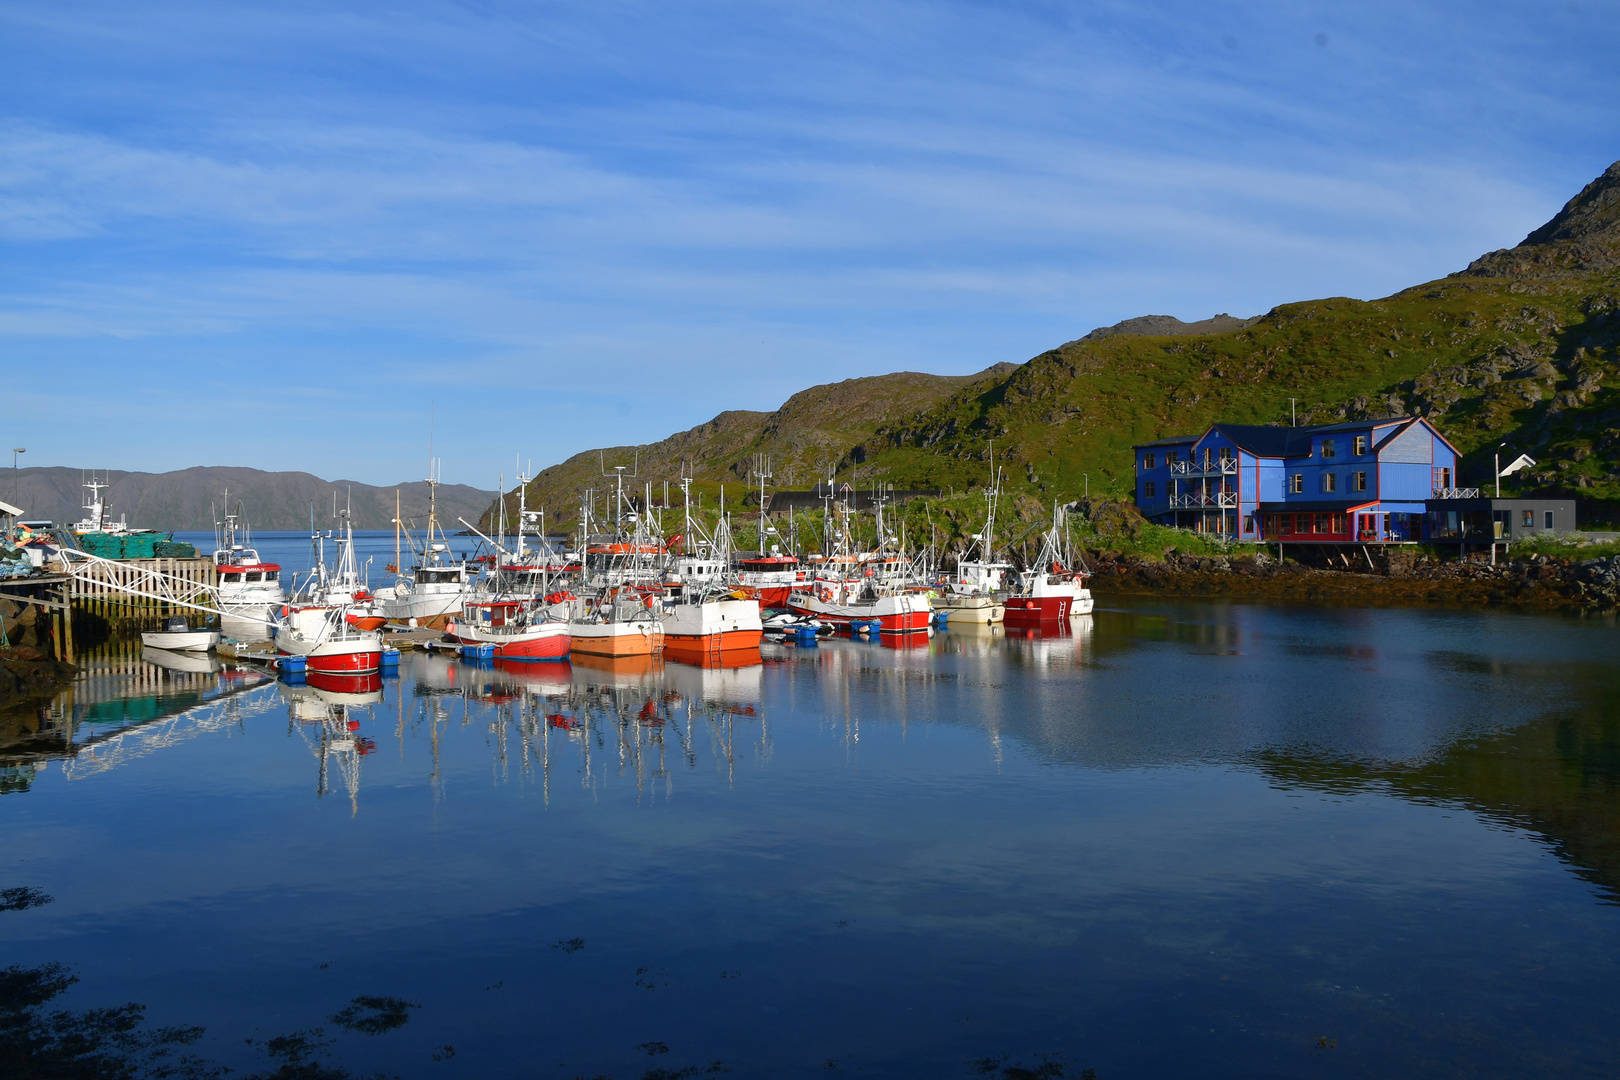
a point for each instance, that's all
(1400, 576)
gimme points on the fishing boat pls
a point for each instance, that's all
(770, 575)
(976, 592)
(178, 636)
(1051, 589)
(845, 602)
(620, 621)
(248, 587)
(702, 625)
(769, 578)
(432, 592)
(97, 534)
(340, 585)
(518, 630)
(327, 641)
(868, 590)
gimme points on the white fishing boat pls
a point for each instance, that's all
(327, 641)
(339, 585)
(976, 593)
(178, 636)
(846, 602)
(430, 593)
(250, 590)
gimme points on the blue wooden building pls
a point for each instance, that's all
(1364, 481)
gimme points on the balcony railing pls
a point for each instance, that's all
(1218, 500)
(1455, 493)
(1222, 467)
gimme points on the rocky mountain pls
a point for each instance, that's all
(1168, 326)
(189, 498)
(1521, 347)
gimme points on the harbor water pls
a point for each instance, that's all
(1178, 840)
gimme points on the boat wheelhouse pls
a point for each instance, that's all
(770, 578)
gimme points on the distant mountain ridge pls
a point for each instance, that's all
(188, 499)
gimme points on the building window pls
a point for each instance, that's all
(1147, 461)
(1549, 519)
(1360, 445)
(1248, 523)
(1328, 448)
(1442, 479)
(1529, 520)
(1148, 489)
(1171, 457)
(1226, 453)
(1330, 482)
(1358, 481)
(1296, 484)
(1338, 525)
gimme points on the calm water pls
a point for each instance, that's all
(1186, 840)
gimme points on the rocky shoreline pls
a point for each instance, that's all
(1401, 577)
(28, 671)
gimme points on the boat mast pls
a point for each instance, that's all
(764, 475)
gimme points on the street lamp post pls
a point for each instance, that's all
(1496, 460)
(15, 450)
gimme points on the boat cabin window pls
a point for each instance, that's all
(230, 577)
(272, 575)
(255, 575)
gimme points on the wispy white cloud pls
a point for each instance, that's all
(648, 190)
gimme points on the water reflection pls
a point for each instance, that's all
(126, 701)
(325, 711)
(1109, 839)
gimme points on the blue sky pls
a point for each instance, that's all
(282, 235)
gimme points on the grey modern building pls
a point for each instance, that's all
(1486, 520)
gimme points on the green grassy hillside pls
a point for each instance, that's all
(1522, 347)
(816, 430)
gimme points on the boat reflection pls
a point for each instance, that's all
(1060, 643)
(326, 712)
(197, 663)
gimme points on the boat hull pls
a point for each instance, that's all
(1035, 610)
(692, 648)
(904, 614)
(548, 642)
(181, 640)
(327, 660)
(328, 644)
(615, 639)
(695, 631)
(981, 610)
(770, 596)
